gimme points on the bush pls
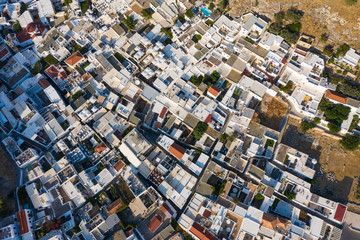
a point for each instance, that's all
(317, 120)
(77, 95)
(351, 2)
(199, 130)
(349, 90)
(223, 137)
(324, 37)
(350, 142)
(259, 196)
(189, 13)
(307, 125)
(146, 14)
(334, 127)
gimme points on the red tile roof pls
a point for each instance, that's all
(163, 111)
(177, 150)
(52, 71)
(155, 223)
(44, 83)
(22, 36)
(336, 96)
(214, 90)
(201, 232)
(23, 223)
(208, 119)
(340, 212)
(206, 213)
(35, 28)
(73, 59)
(3, 53)
(119, 165)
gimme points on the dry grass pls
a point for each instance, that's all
(331, 156)
(7, 180)
(271, 112)
(334, 17)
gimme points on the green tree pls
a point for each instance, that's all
(223, 4)
(293, 15)
(189, 13)
(146, 13)
(290, 195)
(354, 122)
(335, 128)
(23, 8)
(342, 50)
(50, 59)
(84, 6)
(294, 27)
(199, 130)
(67, 2)
(279, 17)
(324, 37)
(259, 196)
(130, 23)
(288, 87)
(223, 137)
(16, 26)
(350, 142)
(168, 32)
(209, 22)
(307, 125)
(36, 69)
(275, 28)
(317, 120)
(197, 37)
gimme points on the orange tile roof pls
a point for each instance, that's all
(73, 59)
(336, 96)
(23, 223)
(163, 111)
(119, 165)
(115, 206)
(155, 223)
(101, 147)
(177, 150)
(52, 71)
(214, 90)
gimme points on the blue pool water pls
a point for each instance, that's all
(206, 11)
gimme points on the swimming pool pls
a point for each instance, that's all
(206, 11)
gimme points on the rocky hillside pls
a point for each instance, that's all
(334, 17)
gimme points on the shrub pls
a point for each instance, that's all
(324, 37)
(350, 142)
(351, 2)
(77, 95)
(36, 69)
(294, 27)
(307, 125)
(293, 15)
(222, 5)
(223, 137)
(197, 37)
(342, 50)
(199, 130)
(333, 127)
(275, 28)
(259, 196)
(181, 19)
